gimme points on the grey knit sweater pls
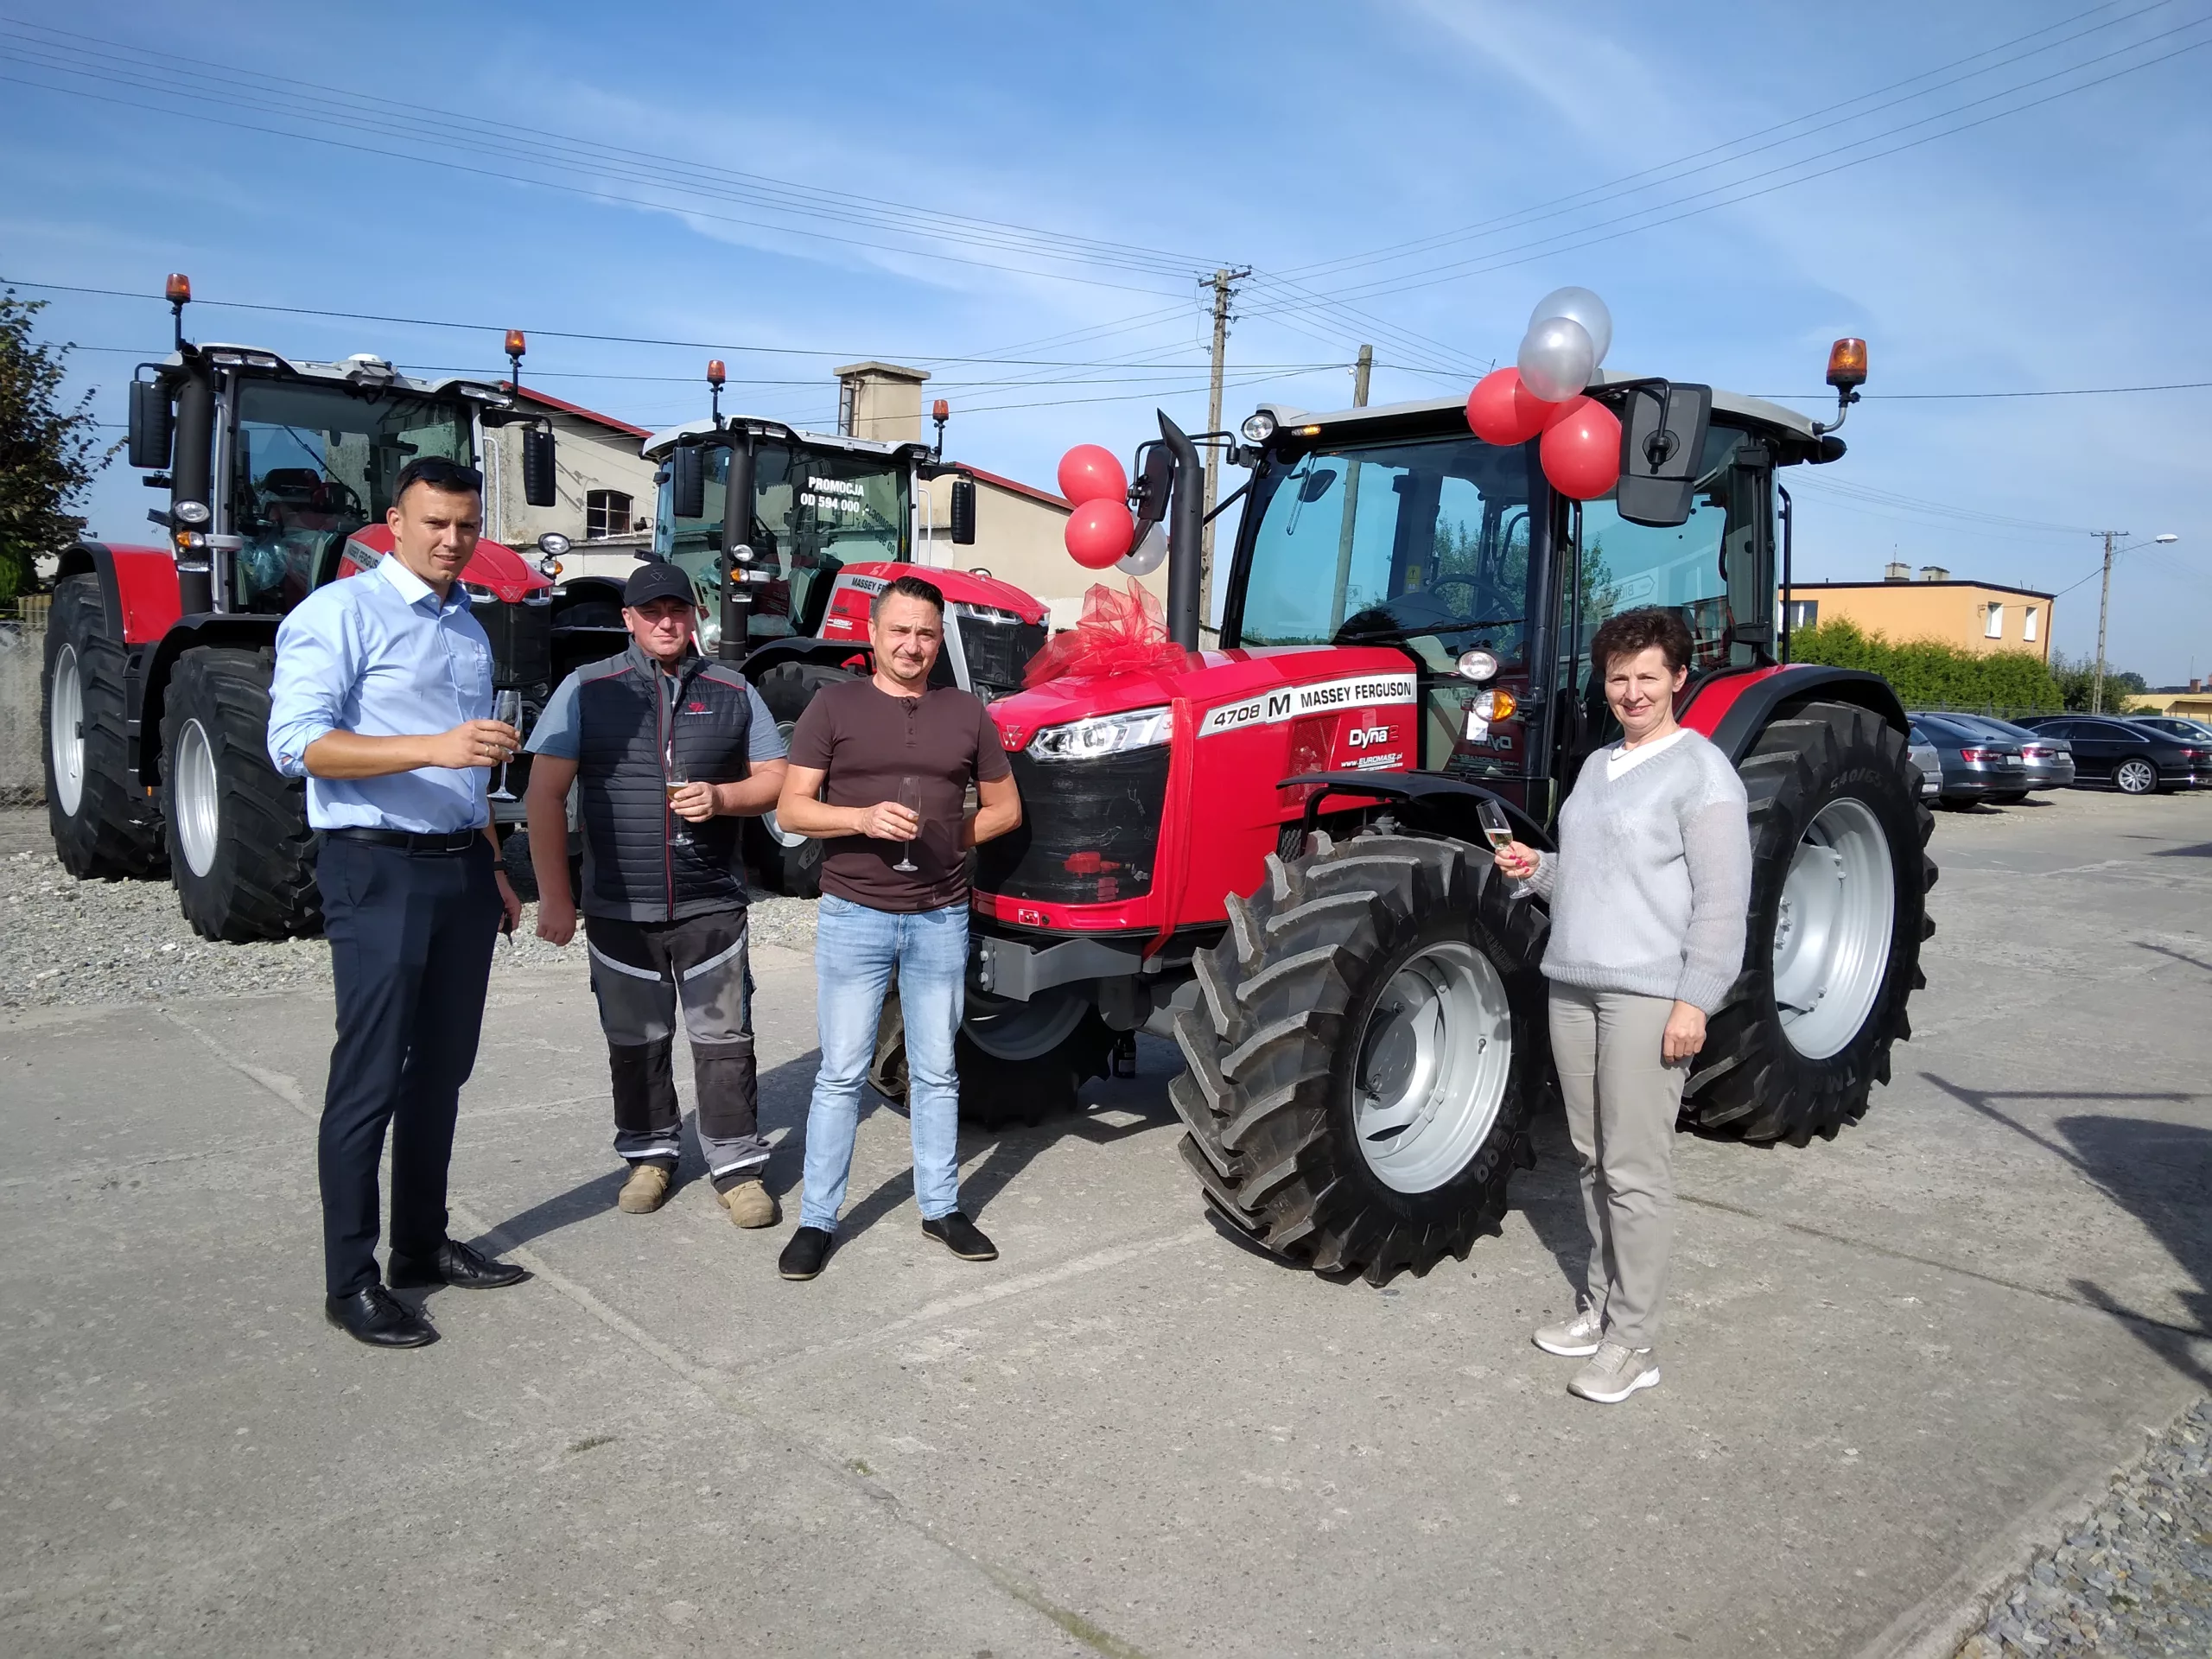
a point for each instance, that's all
(1652, 880)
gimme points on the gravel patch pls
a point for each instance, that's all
(64, 941)
(2135, 1578)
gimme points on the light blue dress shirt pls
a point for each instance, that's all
(379, 654)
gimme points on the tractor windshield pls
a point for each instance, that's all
(814, 513)
(311, 463)
(1392, 542)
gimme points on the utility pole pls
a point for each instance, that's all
(2104, 604)
(1224, 282)
(1361, 371)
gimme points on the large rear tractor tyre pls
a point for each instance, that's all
(1019, 1062)
(1365, 1054)
(784, 862)
(240, 851)
(104, 822)
(1839, 883)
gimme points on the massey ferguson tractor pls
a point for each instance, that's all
(278, 474)
(831, 524)
(1270, 851)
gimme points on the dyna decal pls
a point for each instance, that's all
(1271, 707)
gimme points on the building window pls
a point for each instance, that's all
(2028, 624)
(1804, 613)
(606, 512)
(1993, 626)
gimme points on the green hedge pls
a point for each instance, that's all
(1927, 674)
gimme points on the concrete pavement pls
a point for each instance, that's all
(1130, 1435)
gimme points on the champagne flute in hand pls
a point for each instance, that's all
(910, 796)
(507, 708)
(679, 777)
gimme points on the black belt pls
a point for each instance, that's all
(458, 842)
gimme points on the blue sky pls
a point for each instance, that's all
(1514, 147)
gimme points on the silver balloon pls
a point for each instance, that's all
(1147, 556)
(1557, 358)
(1586, 308)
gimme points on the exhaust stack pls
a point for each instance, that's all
(1186, 521)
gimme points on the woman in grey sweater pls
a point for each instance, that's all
(1648, 892)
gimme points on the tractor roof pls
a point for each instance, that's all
(363, 370)
(661, 443)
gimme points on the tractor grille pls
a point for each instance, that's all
(1089, 830)
(999, 645)
(521, 642)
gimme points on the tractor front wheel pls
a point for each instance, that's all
(1365, 1054)
(104, 822)
(786, 862)
(240, 851)
(1839, 908)
(1019, 1062)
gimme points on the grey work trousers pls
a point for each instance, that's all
(1621, 1099)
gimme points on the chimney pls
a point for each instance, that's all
(1934, 573)
(2196, 686)
(1897, 571)
(880, 401)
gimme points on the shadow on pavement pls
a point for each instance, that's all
(2178, 955)
(2158, 1173)
(2203, 849)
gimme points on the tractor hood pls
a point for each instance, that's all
(1226, 690)
(496, 568)
(959, 587)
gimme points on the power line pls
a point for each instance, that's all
(1952, 397)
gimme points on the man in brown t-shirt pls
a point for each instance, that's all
(879, 770)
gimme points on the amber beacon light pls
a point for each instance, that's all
(1847, 373)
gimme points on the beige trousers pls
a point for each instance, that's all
(1622, 1101)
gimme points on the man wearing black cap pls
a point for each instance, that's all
(668, 750)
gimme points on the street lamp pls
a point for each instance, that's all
(2104, 603)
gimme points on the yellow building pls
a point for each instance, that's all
(1978, 616)
(2190, 701)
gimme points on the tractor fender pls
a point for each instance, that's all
(236, 632)
(803, 648)
(139, 584)
(1440, 805)
(1731, 710)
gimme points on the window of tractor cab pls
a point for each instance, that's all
(1424, 543)
(309, 463)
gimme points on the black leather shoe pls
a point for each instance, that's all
(379, 1319)
(452, 1264)
(962, 1238)
(804, 1256)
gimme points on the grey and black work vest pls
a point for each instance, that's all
(627, 723)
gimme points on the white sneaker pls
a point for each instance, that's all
(1574, 1338)
(1618, 1371)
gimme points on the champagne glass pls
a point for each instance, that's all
(507, 708)
(910, 796)
(678, 776)
(1494, 824)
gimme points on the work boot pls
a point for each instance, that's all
(751, 1204)
(1575, 1339)
(646, 1190)
(1618, 1371)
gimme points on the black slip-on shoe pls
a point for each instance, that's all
(452, 1263)
(804, 1256)
(379, 1319)
(962, 1238)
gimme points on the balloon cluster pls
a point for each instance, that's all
(1101, 529)
(1569, 334)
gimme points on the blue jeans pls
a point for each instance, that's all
(855, 950)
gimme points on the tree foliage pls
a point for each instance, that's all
(2077, 676)
(1930, 674)
(49, 454)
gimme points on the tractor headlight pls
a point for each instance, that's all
(1102, 735)
(1477, 665)
(190, 513)
(1258, 429)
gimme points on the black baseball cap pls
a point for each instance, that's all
(656, 579)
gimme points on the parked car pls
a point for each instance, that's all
(1931, 768)
(2136, 760)
(2050, 759)
(1976, 767)
(2195, 733)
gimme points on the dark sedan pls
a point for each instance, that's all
(2049, 760)
(1976, 767)
(2135, 759)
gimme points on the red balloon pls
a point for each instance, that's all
(1099, 532)
(1090, 472)
(1581, 449)
(1503, 411)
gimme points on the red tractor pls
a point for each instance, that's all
(1272, 854)
(158, 659)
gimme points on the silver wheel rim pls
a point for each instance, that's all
(2137, 777)
(1433, 1065)
(784, 729)
(198, 805)
(1832, 932)
(67, 739)
(1022, 1030)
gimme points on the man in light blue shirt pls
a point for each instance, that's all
(381, 700)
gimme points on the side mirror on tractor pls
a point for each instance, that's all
(688, 484)
(1663, 447)
(963, 512)
(151, 428)
(537, 479)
